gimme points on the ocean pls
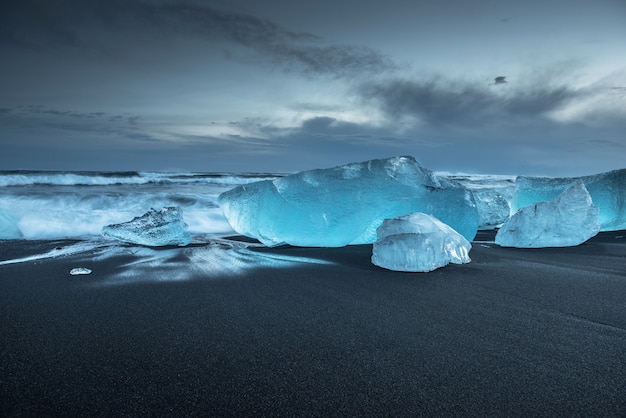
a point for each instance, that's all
(76, 205)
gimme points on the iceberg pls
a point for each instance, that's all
(569, 220)
(156, 228)
(607, 190)
(344, 205)
(8, 227)
(418, 243)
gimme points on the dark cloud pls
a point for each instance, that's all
(317, 124)
(78, 23)
(39, 110)
(316, 107)
(440, 101)
(337, 130)
(338, 60)
(59, 122)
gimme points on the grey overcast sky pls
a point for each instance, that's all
(475, 86)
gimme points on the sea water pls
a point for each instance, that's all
(77, 205)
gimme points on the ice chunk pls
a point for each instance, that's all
(418, 242)
(156, 228)
(8, 227)
(344, 205)
(608, 191)
(79, 271)
(570, 219)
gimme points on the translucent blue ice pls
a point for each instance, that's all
(607, 190)
(8, 227)
(156, 228)
(418, 243)
(344, 205)
(570, 219)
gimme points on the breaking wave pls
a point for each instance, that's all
(86, 178)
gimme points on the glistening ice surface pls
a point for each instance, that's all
(570, 219)
(344, 205)
(418, 243)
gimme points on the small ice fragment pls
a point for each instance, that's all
(79, 270)
(156, 228)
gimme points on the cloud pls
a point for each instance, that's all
(61, 121)
(441, 101)
(43, 112)
(76, 23)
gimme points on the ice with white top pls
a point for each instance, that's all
(608, 191)
(344, 205)
(8, 227)
(156, 228)
(418, 243)
(569, 220)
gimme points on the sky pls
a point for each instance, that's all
(466, 86)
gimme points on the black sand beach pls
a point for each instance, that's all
(514, 333)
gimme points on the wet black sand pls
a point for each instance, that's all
(514, 333)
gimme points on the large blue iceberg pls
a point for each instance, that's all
(344, 205)
(607, 190)
(568, 220)
(418, 243)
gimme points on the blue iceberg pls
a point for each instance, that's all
(156, 228)
(344, 205)
(418, 243)
(607, 190)
(569, 220)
